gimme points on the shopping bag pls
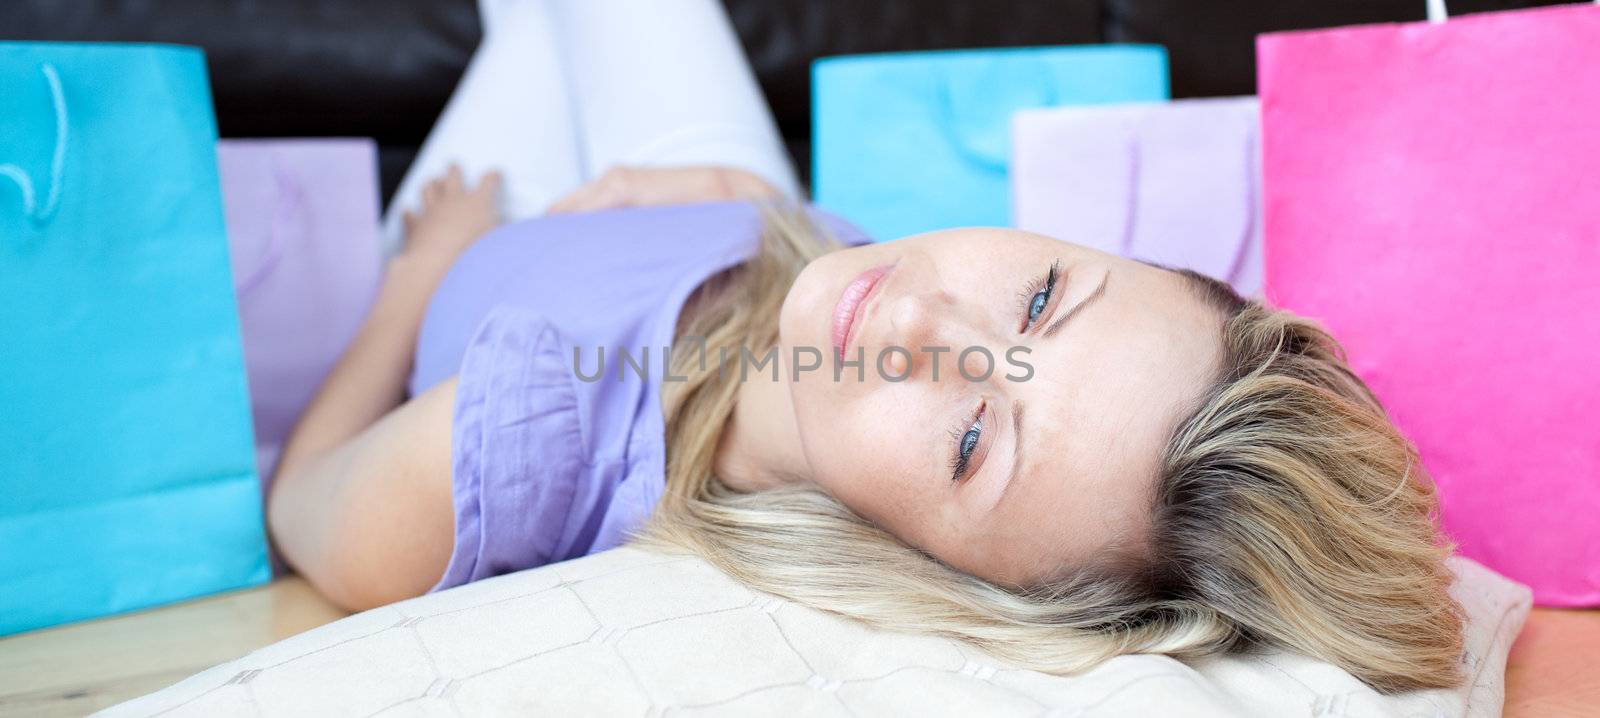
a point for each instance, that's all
(127, 477)
(1174, 183)
(905, 143)
(302, 220)
(1433, 196)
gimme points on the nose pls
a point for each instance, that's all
(931, 327)
(920, 318)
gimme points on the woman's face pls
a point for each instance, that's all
(1042, 462)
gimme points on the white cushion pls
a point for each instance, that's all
(628, 632)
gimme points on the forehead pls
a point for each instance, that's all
(983, 241)
(1107, 394)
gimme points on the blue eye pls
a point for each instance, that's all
(969, 441)
(1037, 307)
(966, 445)
(1037, 297)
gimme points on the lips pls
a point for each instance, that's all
(851, 302)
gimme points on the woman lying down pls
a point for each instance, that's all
(1053, 453)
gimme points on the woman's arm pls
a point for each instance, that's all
(360, 502)
(370, 521)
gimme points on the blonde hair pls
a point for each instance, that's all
(1289, 512)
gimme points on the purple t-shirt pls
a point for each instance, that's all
(546, 465)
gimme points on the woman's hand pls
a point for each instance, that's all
(623, 186)
(452, 216)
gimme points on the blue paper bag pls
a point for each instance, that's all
(127, 472)
(905, 143)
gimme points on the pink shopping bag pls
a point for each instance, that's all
(303, 232)
(1432, 193)
(1175, 183)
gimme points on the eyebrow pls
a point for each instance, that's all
(1096, 294)
(1018, 406)
(1016, 452)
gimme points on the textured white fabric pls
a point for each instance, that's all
(558, 91)
(627, 632)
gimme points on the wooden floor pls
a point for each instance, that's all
(81, 668)
(77, 669)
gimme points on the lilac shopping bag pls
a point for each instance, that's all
(303, 229)
(1174, 183)
(1433, 196)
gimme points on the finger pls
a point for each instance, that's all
(613, 195)
(610, 190)
(408, 218)
(620, 179)
(488, 193)
(590, 195)
(430, 192)
(490, 184)
(452, 178)
(573, 201)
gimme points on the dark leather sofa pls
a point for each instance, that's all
(384, 68)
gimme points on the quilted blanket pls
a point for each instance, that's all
(630, 632)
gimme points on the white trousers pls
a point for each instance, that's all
(560, 90)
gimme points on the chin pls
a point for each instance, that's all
(803, 318)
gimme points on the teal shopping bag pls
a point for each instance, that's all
(917, 141)
(127, 473)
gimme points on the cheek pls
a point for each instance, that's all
(870, 454)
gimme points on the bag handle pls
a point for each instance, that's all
(1437, 13)
(58, 157)
(288, 217)
(1252, 194)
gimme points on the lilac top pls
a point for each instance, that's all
(545, 466)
